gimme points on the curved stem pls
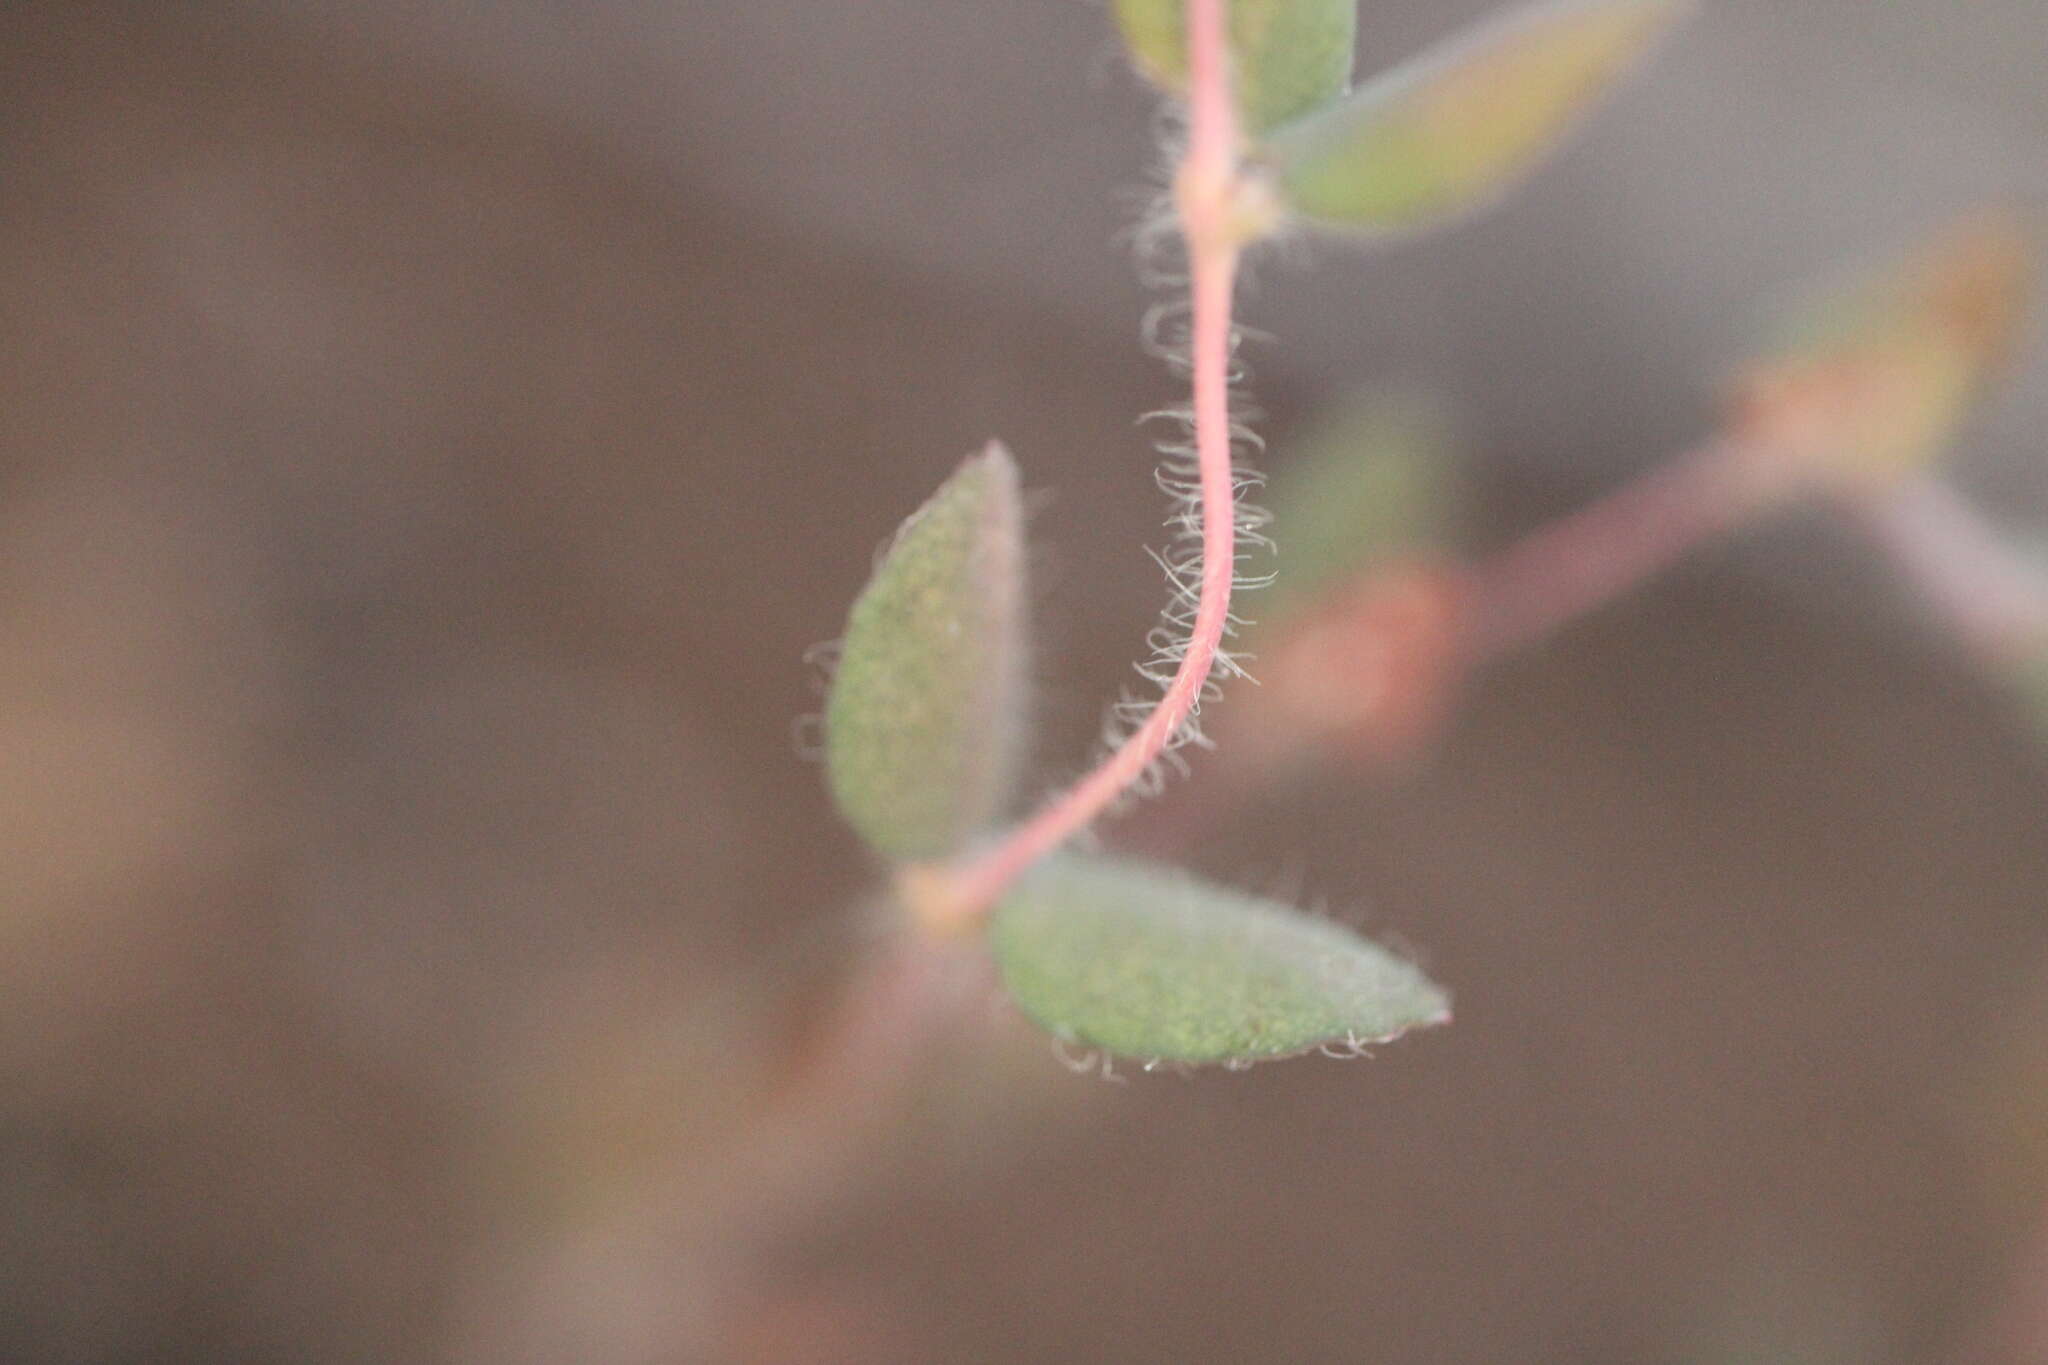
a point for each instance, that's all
(1206, 191)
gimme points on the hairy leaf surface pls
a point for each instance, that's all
(1149, 962)
(923, 723)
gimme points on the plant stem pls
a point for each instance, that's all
(1207, 190)
(900, 1001)
(1995, 600)
(1565, 569)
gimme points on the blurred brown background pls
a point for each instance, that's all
(430, 438)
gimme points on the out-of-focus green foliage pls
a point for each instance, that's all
(1290, 56)
(1371, 484)
(1148, 962)
(923, 723)
(1456, 128)
(1356, 644)
(1872, 378)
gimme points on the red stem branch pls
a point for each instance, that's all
(1994, 599)
(1564, 570)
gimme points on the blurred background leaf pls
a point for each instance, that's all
(1289, 56)
(1356, 642)
(1873, 377)
(1374, 481)
(1454, 129)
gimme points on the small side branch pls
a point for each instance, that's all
(1559, 573)
(1995, 599)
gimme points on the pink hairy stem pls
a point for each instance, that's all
(1206, 192)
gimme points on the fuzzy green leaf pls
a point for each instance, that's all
(1290, 56)
(1371, 484)
(922, 725)
(1148, 962)
(1455, 129)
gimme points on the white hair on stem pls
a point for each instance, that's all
(1161, 258)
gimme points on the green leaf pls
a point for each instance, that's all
(1148, 962)
(1873, 377)
(1290, 56)
(1370, 485)
(923, 730)
(1455, 129)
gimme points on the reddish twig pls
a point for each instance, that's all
(1995, 599)
(1587, 559)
